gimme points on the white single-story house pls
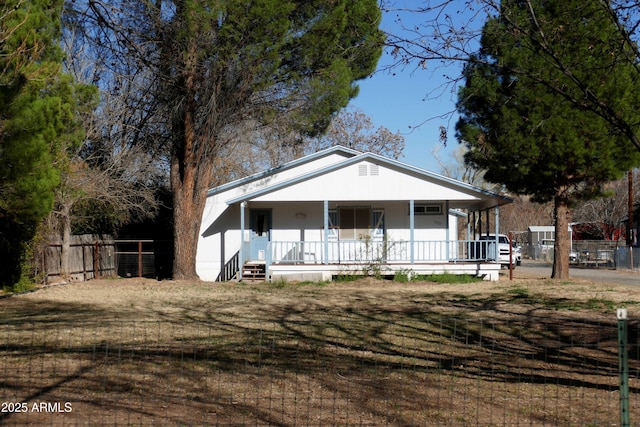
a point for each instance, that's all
(339, 211)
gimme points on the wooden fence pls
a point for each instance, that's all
(93, 257)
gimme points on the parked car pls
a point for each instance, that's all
(517, 252)
(546, 249)
(504, 249)
(573, 257)
(546, 245)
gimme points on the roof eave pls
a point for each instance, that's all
(496, 199)
(286, 166)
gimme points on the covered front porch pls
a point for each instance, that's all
(340, 211)
(390, 238)
(304, 260)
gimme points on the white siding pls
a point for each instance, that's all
(304, 221)
(296, 201)
(388, 184)
(278, 177)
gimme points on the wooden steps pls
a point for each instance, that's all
(254, 272)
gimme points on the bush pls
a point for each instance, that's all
(403, 276)
(448, 278)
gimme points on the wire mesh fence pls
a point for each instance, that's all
(420, 371)
(591, 254)
(627, 257)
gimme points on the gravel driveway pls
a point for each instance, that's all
(538, 269)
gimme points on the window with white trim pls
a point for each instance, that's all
(427, 209)
(377, 233)
(333, 225)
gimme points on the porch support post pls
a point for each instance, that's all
(448, 235)
(497, 215)
(488, 224)
(470, 245)
(243, 205)
(411, 229)
(326, 232)
(475, 225)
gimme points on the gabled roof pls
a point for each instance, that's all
(338, 149)
(488, 199)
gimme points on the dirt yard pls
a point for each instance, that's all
(146, 299)
(529, 351)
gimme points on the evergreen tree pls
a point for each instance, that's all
(36, 112)
(532, 138)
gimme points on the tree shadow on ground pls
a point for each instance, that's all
(390, 364)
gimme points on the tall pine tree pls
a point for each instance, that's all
(37, 110)
(535, 139)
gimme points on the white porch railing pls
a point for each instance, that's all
(360, 251)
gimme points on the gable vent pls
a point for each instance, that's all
(362, 170)
(374, 170)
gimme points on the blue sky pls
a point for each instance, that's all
(405, 103)
(412, 102)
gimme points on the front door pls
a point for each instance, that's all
(260, 223)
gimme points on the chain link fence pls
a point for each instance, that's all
(591, 254)
(421, 371)
(627, 258)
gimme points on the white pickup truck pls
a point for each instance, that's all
(504, 249)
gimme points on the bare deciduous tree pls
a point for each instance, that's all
(604, 216)
(354, 129)
(455, 167)
(252, 147)
(107, 176)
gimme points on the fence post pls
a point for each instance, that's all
(139, 258)
(45, 268)
(623, 366)
(96, 261)
(510, 255)
(84, 263)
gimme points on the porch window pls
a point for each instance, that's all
(355, 223)
(427, 209)
(360, 223)
(333, 225)
(378, 225)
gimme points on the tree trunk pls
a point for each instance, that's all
(188, 202)
(190, 173)
(65, 249)
(561, 247)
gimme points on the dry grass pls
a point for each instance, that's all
(369, 352)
